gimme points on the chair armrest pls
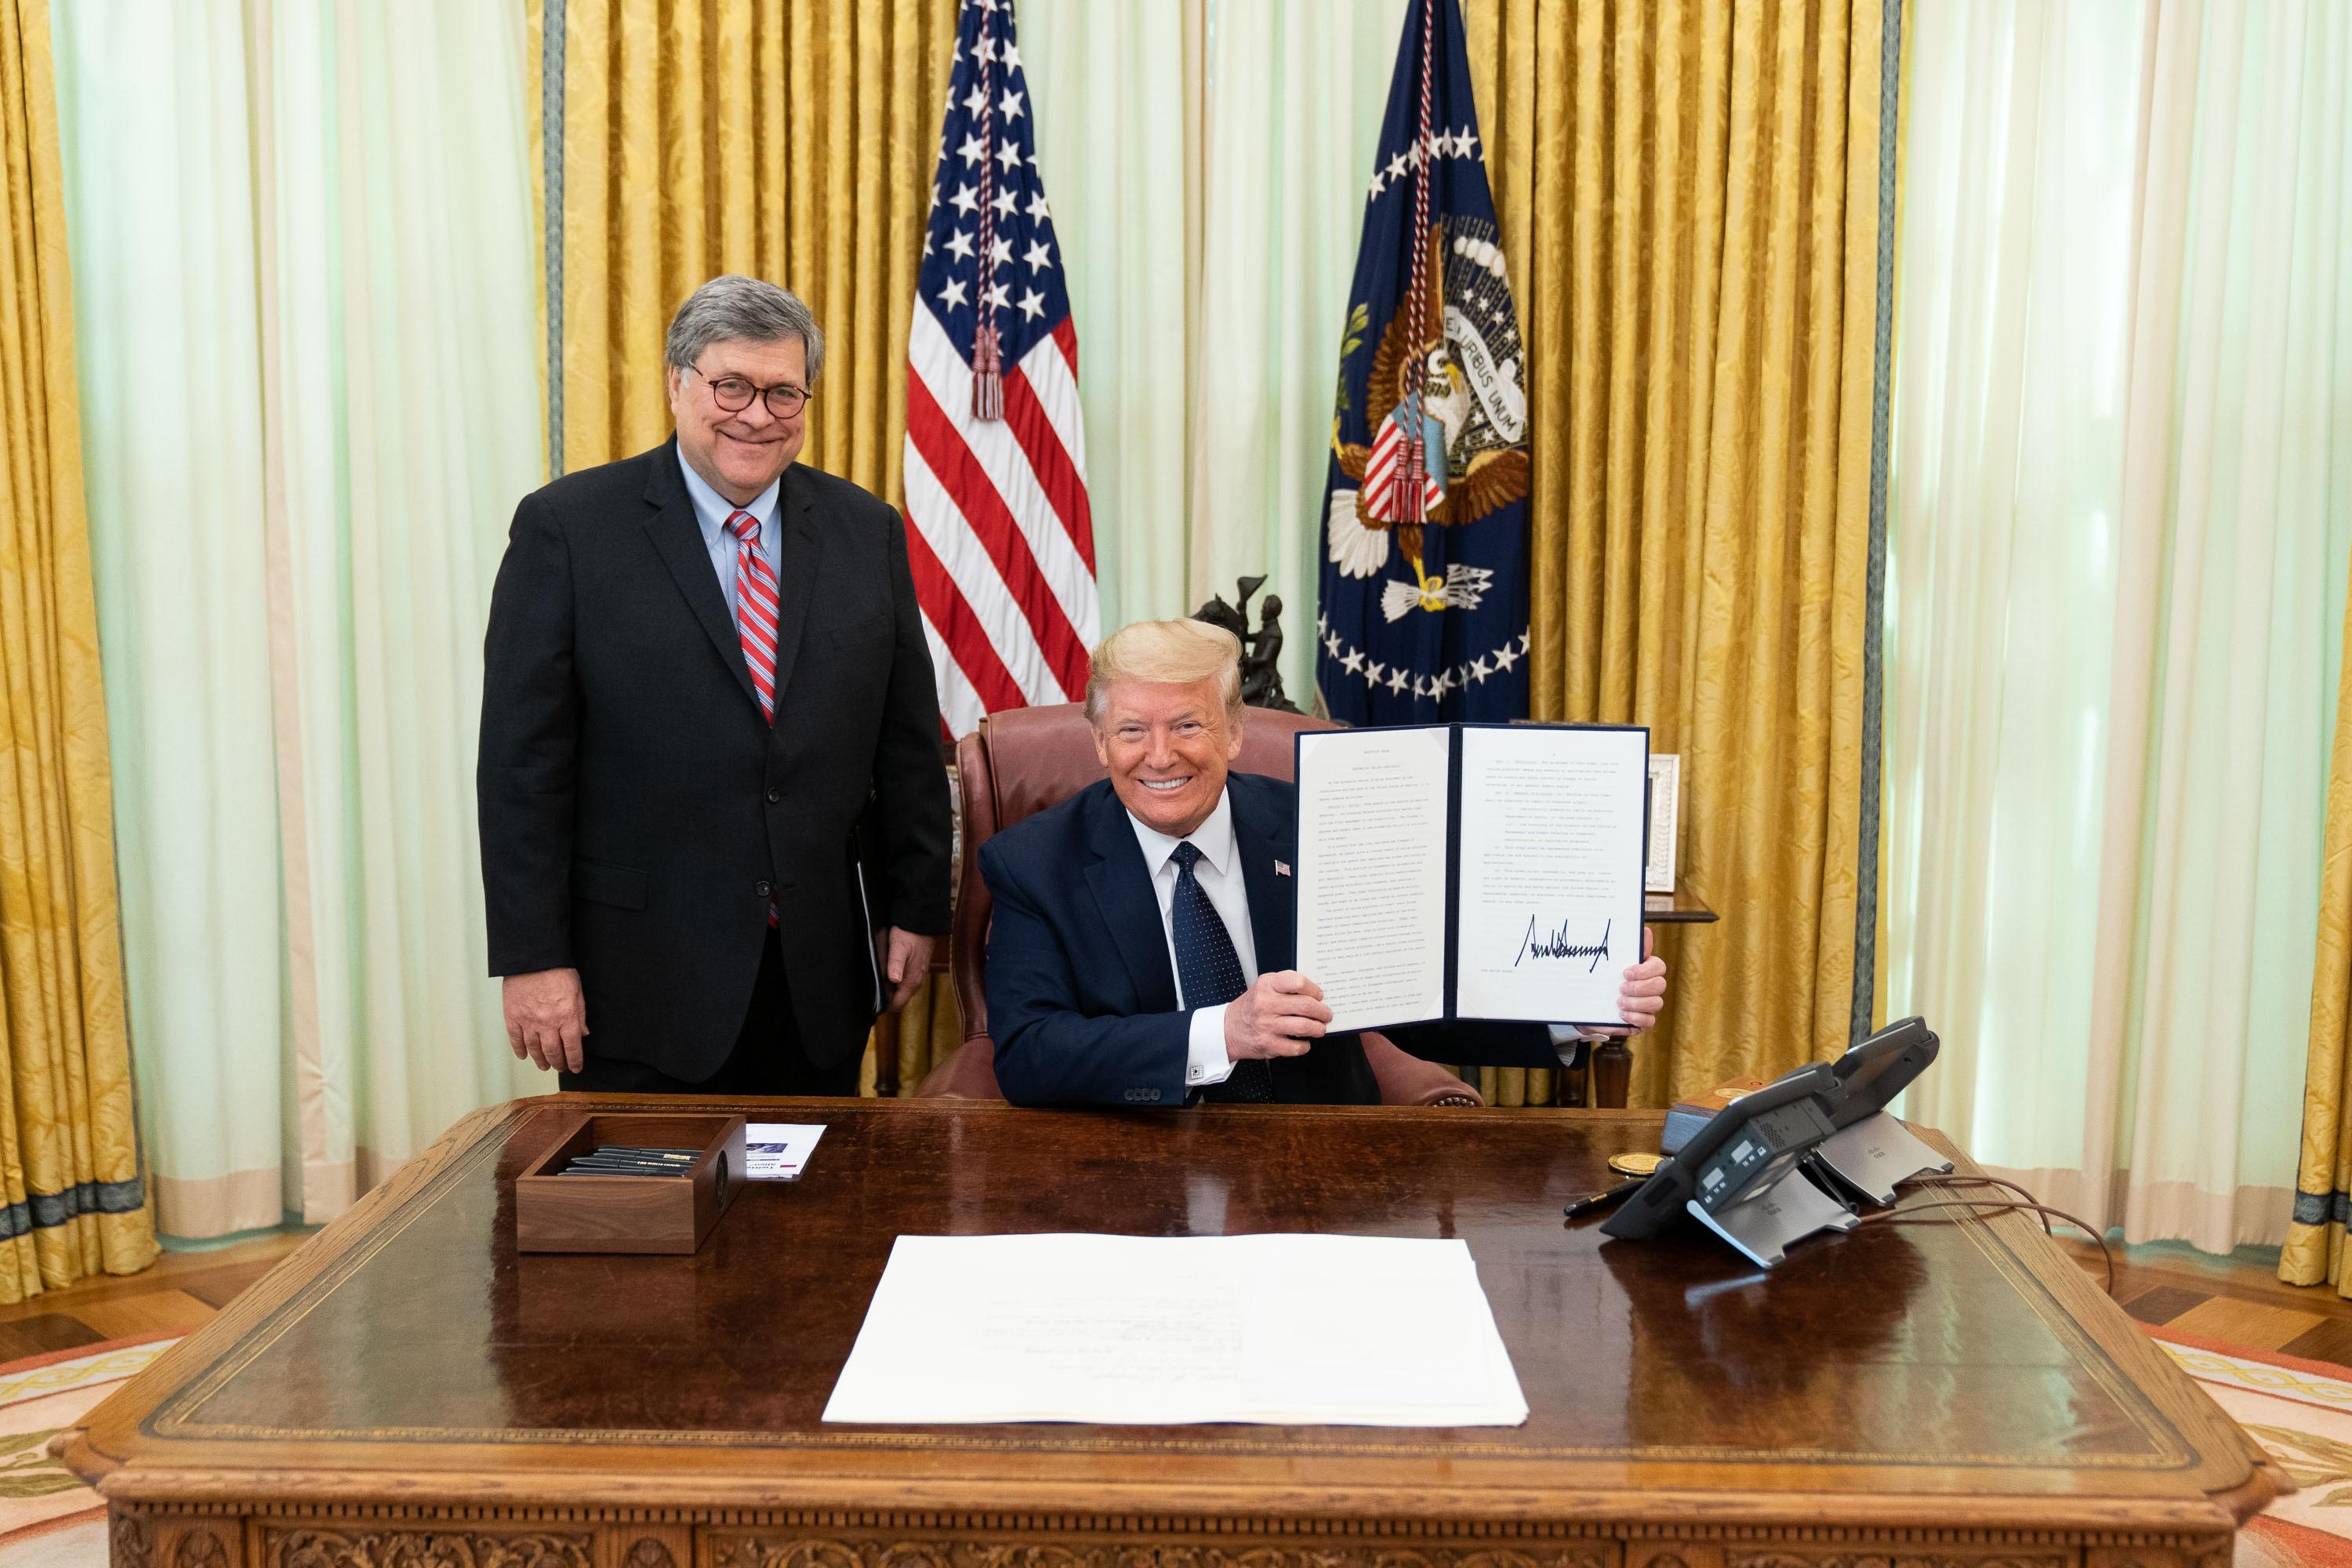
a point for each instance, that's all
(1405, 1078)
(969, 1074)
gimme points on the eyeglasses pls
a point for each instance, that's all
(733, 395)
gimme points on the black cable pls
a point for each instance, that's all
(1981, 1206)
(2045, 1211)
(1955, 1183)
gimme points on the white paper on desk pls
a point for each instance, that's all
(1550, 907)
(1134, 1330)
(1372, 872)
(776, 1151)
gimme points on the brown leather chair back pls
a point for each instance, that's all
(1023, 760)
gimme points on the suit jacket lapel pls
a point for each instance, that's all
(1273, 900)
(1122, 891)
(798, 557)
(678, 539)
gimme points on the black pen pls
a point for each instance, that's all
(1601, 1200)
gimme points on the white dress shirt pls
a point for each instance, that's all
(712, 509)
(1219, 872)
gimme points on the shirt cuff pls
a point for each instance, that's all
(1205, 1061)
(1566, 1038)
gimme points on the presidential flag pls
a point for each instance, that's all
(1424, 608)
(999, 537)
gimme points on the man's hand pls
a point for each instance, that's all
(1643, 992)
(907, 959)
(547, 1018)
(1281, 1015)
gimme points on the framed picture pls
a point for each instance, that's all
(1666, 802)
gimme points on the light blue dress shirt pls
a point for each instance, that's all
(712, 509)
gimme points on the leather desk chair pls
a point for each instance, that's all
(1022, 761)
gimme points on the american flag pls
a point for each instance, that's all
(1002, 543)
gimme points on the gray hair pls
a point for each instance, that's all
(1172, 652)
(734, 306)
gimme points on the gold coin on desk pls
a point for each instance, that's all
(1636, 1164)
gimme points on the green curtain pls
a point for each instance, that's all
(1107, 78)
(1292, 102)
(2118, 540)
(1206, 161)
(304, 276)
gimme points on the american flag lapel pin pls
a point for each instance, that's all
(1282, 867)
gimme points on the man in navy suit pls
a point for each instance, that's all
(1144, 928)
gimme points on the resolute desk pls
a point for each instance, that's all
(407, 1392)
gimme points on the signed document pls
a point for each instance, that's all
(1152, 1329)
(1471, 870)
(1371, 871)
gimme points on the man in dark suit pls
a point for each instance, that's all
(1141, 949)
(710, 766)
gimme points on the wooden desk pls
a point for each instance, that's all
(406, 1392)
(1681, 906)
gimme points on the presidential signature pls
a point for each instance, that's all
(1555, 944)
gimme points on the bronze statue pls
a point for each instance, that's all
(1261, 650)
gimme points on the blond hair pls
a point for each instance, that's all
(1173, 652)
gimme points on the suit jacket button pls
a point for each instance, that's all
(765, 889)
(775, 794)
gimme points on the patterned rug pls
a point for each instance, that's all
(2300, 1411)
(47, 1519)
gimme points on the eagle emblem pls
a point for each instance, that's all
(1465, 354)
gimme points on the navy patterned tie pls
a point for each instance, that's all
(1210, 970)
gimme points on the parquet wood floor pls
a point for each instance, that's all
(180, 1292)
(2239, 1299)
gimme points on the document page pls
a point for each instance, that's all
(778, 1150)
(1372, 872)
(1550, 871)
(1160, 1330)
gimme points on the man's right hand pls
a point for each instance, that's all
(1281, 1015)
(547, 1018)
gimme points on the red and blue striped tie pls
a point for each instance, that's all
(755, 609)
(755, 618)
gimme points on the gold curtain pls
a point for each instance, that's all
(2314, 1237)
(794, 142)
(68, 1153)
(1688, 193)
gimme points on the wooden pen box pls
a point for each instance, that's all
(630, 1214)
